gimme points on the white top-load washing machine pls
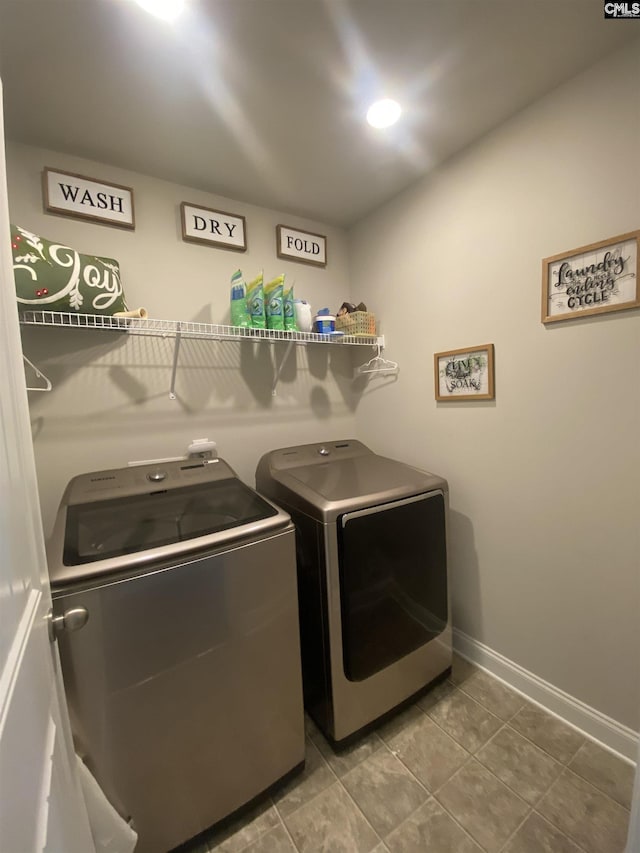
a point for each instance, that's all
(372, 578)
(184, 685)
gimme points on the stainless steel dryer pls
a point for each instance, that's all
(372, 577)
(184, 686)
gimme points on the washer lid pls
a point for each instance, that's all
(116, 532)
(102, 530)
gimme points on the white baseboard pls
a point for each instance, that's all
(592, 723)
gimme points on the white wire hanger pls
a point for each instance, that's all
(377, 364)
(39, 375)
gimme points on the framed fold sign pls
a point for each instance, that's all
(465, 374)
(293, 244)
(593, 279)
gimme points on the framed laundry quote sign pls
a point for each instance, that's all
(465, 374)
(593, 279)
(213, 227)
(86, 198)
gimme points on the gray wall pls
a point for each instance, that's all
(110, 400)
(544, 481)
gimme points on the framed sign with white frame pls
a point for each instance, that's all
(214, 227)
(86, 198)
(593, 279)
(302, 246)
(465, 374)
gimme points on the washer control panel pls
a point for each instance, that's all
(143, 479)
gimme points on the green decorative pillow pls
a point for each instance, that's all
(52, 277)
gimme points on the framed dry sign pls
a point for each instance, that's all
(465, 374)
(296, 245)
(213, 227)
(87, 198)
(593, 279)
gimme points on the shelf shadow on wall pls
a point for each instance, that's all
(464, 579)
(354, 388)
(61, 354)
(134, 390)
(363, 385)
(264, 367)
(66, 351)
(242, 374)
(257, 368)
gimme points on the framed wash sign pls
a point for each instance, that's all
(87, 198)
(590, 280)
(465, 374)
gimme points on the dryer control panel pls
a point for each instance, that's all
(317, 454)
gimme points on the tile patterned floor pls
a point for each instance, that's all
(470, 767)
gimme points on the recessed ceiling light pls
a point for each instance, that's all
(383, 113)
(168, 10)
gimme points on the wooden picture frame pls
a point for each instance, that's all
(594, 279)
(216, 228)
(465, 374)
(90, 199)
(294, 244)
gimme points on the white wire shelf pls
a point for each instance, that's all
(188, 329)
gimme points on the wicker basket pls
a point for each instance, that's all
(357, 323)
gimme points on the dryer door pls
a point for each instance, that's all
(393, 581)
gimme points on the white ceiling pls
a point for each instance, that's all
(264, 100)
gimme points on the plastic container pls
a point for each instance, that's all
(324, 324)
(304, 317)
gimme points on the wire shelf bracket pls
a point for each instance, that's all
(176, 352)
